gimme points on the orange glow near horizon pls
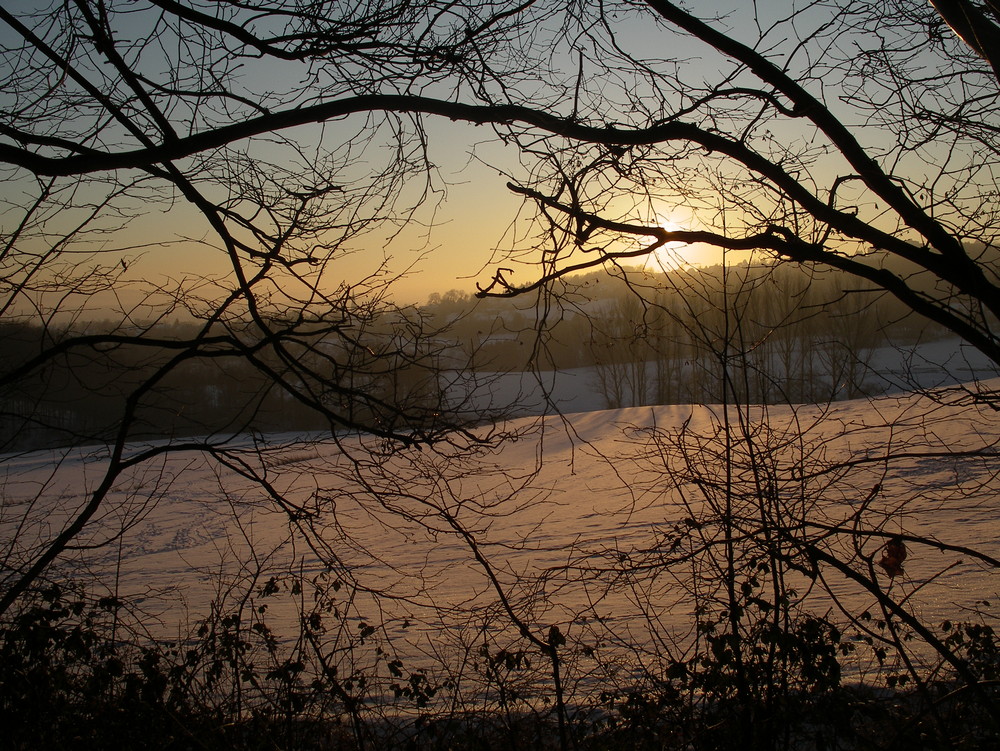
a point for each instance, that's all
(676, 255)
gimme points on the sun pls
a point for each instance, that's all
(669, 256)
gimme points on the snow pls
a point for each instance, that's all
(571, 512)
(888, 369)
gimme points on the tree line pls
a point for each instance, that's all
(648, 338)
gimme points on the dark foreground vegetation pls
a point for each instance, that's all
(75, 673)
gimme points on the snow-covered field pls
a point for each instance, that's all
(572, 515)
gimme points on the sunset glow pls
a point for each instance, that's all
(674, 255)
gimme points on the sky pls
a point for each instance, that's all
(457, 246)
